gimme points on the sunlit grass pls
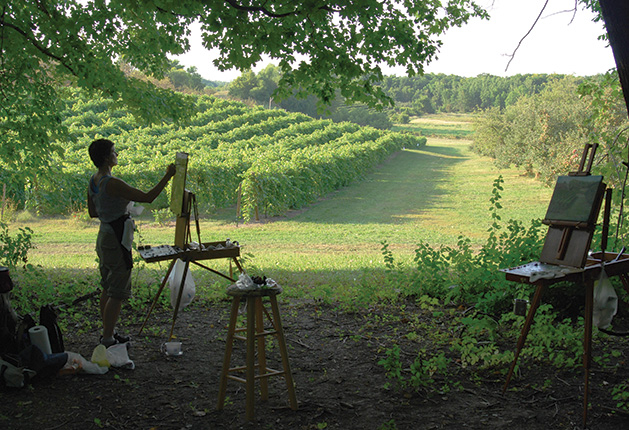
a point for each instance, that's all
(446, 125)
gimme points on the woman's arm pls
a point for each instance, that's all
(118, 187)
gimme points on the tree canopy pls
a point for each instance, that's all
(321, 46)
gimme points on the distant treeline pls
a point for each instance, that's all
(413, 96)
(432, 93)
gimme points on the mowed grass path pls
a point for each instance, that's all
(433, 194)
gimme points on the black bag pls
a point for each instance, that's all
(48, 318)
(22, 337)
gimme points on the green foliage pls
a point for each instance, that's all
(446, 276)
(362, 115)
(420, 373)
(14, 249)
(620, 393)
(184, 79)
(261, 87)
(607, 120)
(46, 45)
(389, 425)
(555, 342)
(543, 133)
(280, 161)
(461, 273)
(162, 216)
(432, 93)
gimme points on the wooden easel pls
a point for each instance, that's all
(189, 254)
(567, 244)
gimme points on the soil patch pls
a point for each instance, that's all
(339, 384)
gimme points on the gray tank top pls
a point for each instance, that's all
(109, 208)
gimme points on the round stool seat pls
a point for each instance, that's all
(265, 291)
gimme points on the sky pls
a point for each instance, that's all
(561, 42)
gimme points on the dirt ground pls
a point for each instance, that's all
(339, 384)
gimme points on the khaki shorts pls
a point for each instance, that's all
(115, 277)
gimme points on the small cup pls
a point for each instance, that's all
(171, 348)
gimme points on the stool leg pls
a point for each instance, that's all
(264, 382)
(251, 351)
(222, 388)
(284, 352)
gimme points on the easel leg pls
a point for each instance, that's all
(159, 292)
(183, 281)
(525, 330)
(238, 265)
(587, 344)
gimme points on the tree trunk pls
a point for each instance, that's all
(616, 16)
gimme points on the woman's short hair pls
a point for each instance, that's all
(100, 150)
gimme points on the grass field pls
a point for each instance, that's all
(453, 126)
(332, 248)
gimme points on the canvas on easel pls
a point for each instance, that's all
(179, 183)
(180, 200)
(571, 216)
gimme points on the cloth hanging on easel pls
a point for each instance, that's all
(605, 302)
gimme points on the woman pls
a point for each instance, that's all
(109, 199)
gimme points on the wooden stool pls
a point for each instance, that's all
(255, 331)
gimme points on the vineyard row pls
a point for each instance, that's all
(272, 161)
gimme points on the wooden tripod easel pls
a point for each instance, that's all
(189, 254)
(568, 242)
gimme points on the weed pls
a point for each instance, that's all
(14, 249)
(162, 216)
(389, 425)
(620, 393)
(421, 371)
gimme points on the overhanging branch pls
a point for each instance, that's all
(37, 45)
(270, 13)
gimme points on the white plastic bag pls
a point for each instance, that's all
(174, 283)
(118, 356)
(605, 302)
(77, 363)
